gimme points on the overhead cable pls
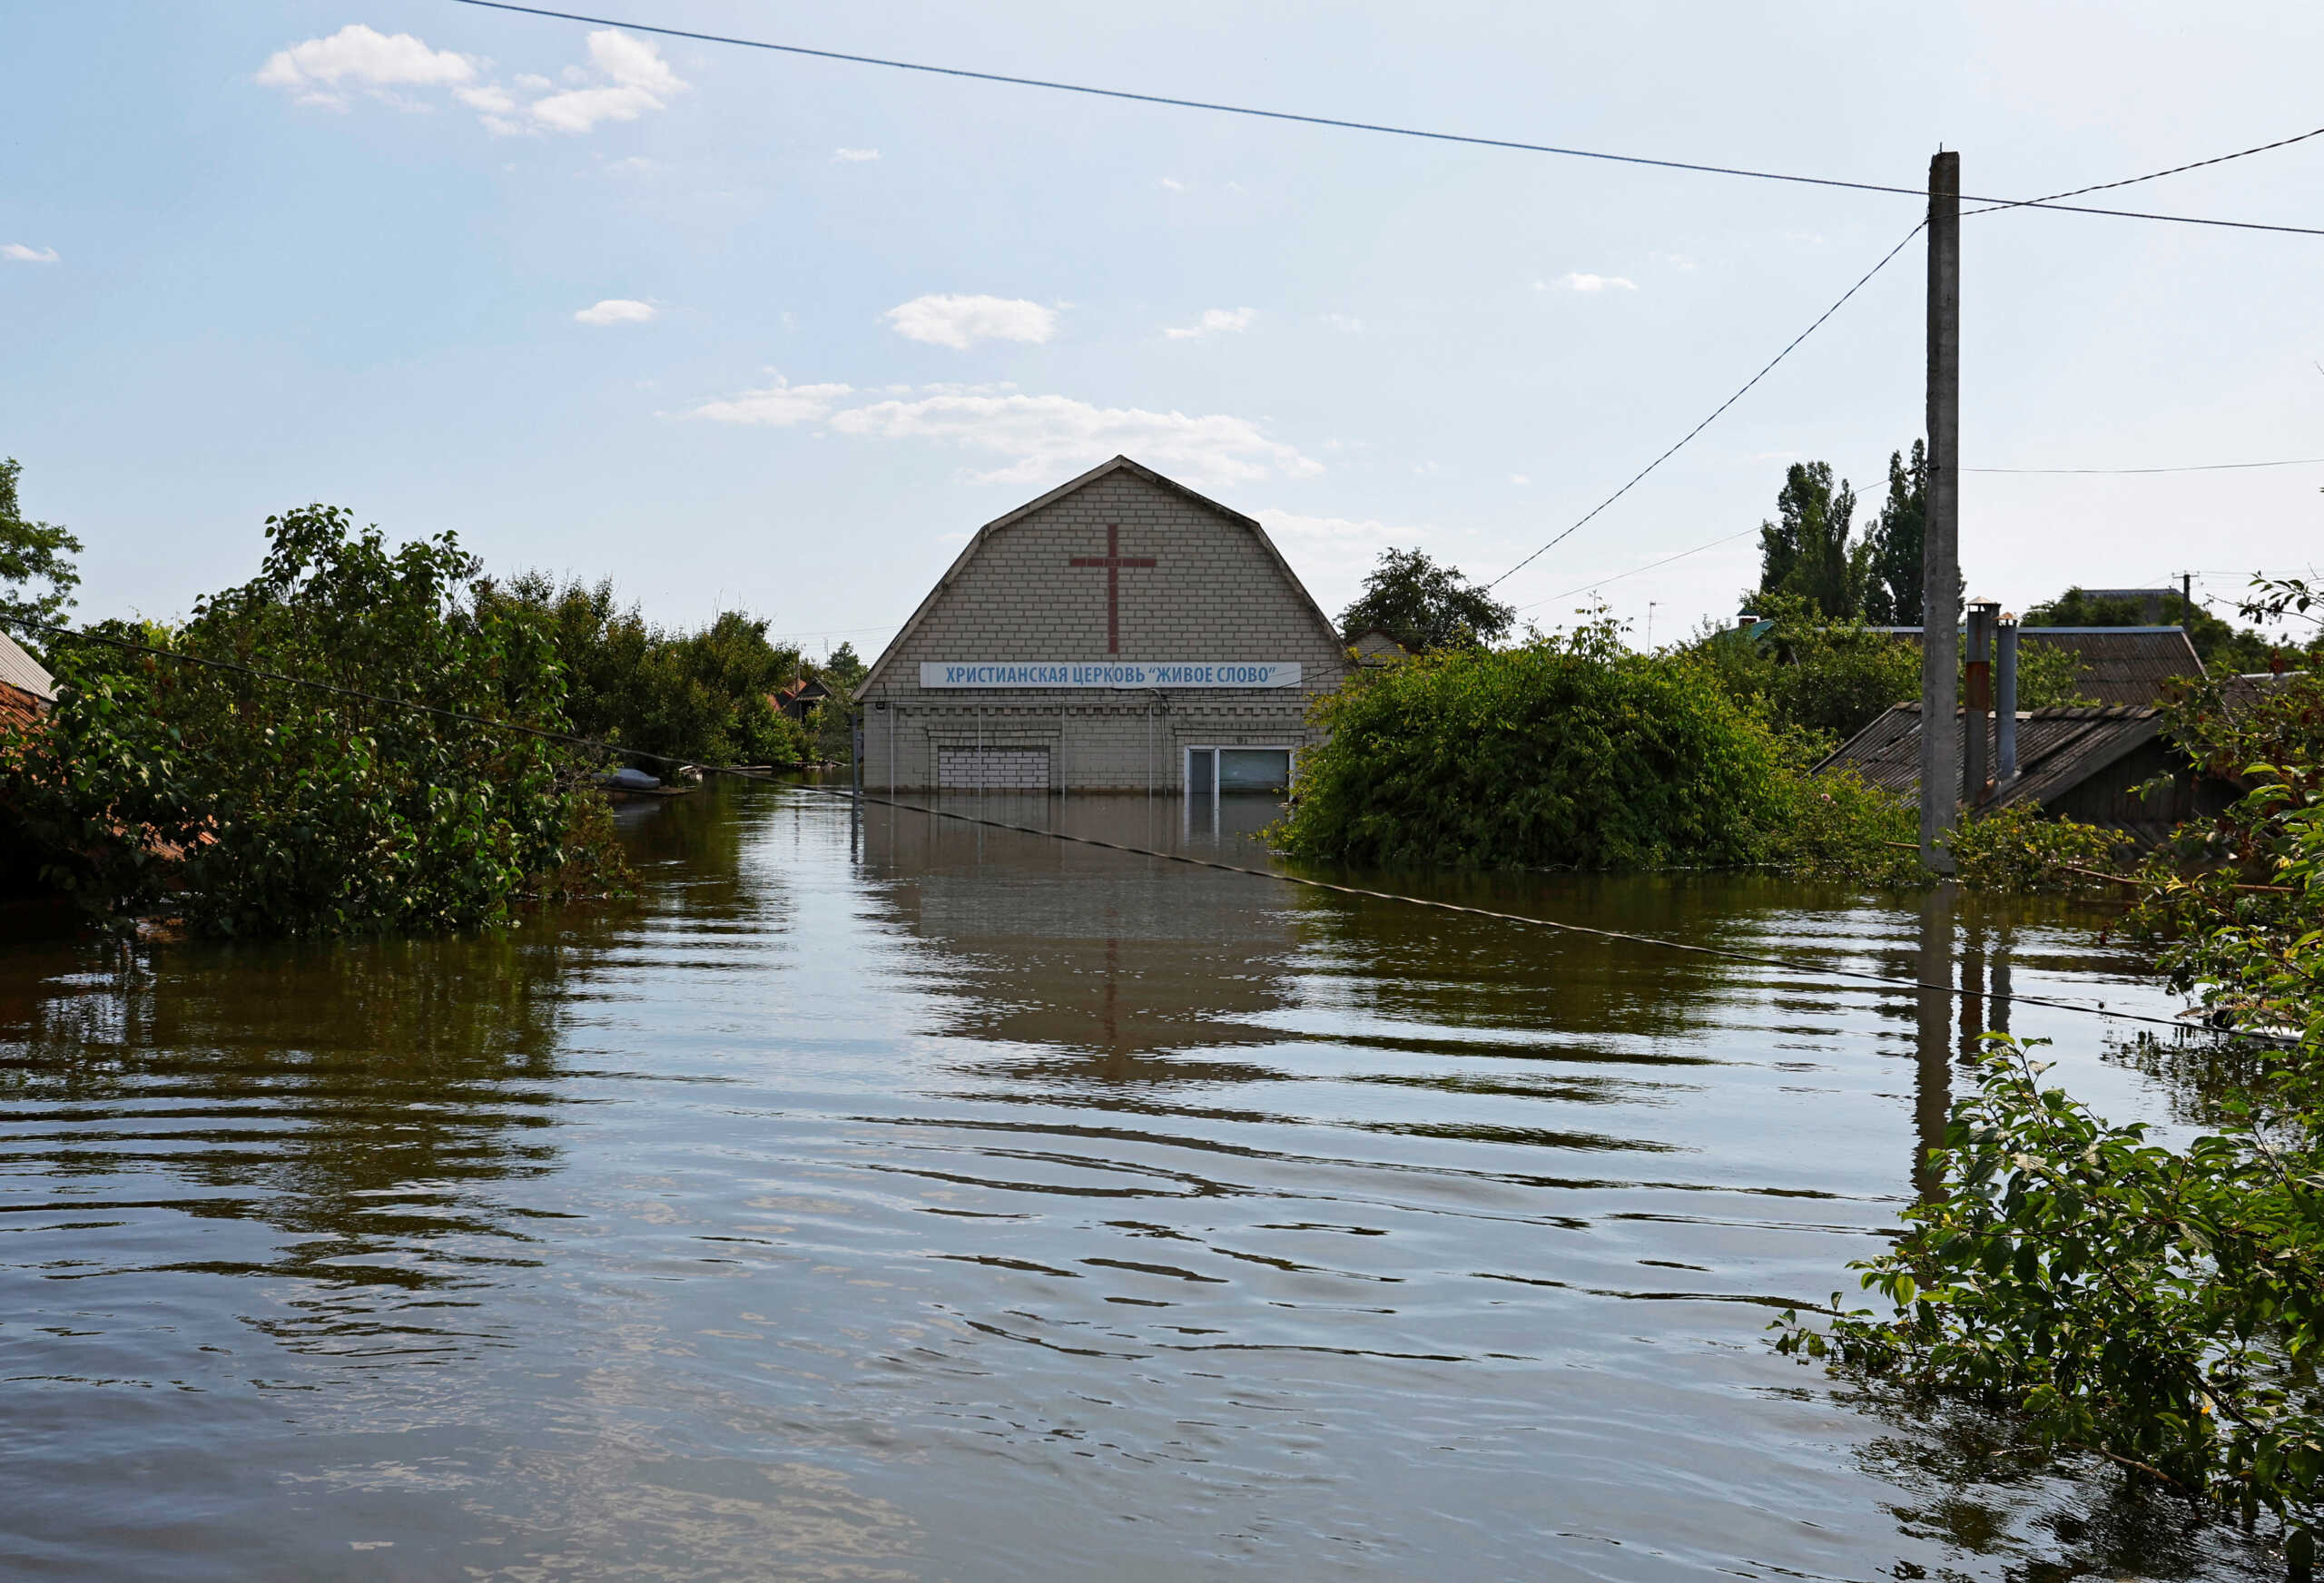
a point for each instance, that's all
(2196, 467)
(1392, 131)
(1722, 407)
(1634, 571)
(740, 772)
(2152, 175)
(1729, 538)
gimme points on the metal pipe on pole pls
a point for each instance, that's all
(1941, 536)
(2005, 705)
(1984, 615)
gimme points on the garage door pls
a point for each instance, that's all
(993, 769)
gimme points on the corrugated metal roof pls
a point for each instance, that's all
(20, 669)
(2121, 664)
(2057, 749)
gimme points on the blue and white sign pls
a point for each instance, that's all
(1105, 673)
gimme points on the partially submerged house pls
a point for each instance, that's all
(2081, 763)
(799, 697)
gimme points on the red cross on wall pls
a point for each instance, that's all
(1113, 560)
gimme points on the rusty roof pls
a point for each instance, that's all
(2057, 749)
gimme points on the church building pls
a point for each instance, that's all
(1119, 633)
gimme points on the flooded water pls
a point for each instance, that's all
(932, 1202)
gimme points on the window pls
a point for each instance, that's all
(1217, 772)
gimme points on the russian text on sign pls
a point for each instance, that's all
(1107, 674)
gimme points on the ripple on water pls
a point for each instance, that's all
(925, 1202)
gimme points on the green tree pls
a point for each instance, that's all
(1892, 585)
(259, 808)
(1806, 551)
(842, 670)
(1424, 607)
(701, 696)
(31, 552)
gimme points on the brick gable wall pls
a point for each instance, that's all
(1216, 593)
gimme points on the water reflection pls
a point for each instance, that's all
(913, 1199)
(357, 1116)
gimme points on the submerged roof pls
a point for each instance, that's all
(2057, 749)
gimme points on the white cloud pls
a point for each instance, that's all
(1174, 184)
(780, 405)
(1336, 533)
(492, 99)
(1033, 438)
(634, 165)
(17, 252)
(357, 55)
(960, 322)
(1216, 321)
(633, 62)
(1044, 436)
(626, 78)
(576, 110)
(847, 156)
(1518, 478)
(642, 81)
(1343, 323)
(618, 310)
(1578, 281)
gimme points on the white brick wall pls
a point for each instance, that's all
(994, 768)
(1216, 593)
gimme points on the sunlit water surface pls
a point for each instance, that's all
(930, 1201)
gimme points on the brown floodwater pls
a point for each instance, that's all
(924, 1201)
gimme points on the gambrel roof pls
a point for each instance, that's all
(1329, 633)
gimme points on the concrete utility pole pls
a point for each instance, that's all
(1941, 534)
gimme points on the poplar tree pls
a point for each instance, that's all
(1805, 550)
(1892, 586)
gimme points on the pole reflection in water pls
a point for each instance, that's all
(1933, 1079)
(987, 1207)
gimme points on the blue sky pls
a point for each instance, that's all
(738, 328)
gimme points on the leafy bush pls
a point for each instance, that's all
(2162, 1309)
(1833, 677)
(2021, 851)
(1564, 752)
(262, 808)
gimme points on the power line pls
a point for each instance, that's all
(2198, 468)
(2154, 175)
(1453, 137)
(1722, 407)
(1634, 571)
(738, 771)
